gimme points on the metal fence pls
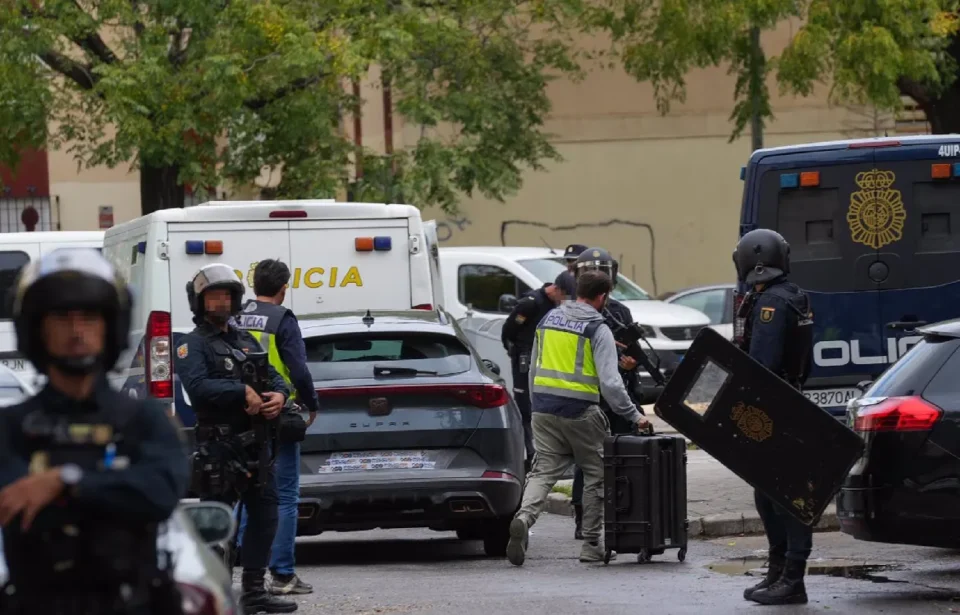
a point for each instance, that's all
(40, 209)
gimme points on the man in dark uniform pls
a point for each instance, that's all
(209, 361)
(86, 474)
(570, 255)
(517, 335)
(777, 330)
(615, 315)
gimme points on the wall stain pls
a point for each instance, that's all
(506, 224)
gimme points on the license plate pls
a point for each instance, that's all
(17, 365)
(364, 461)
(827, 398)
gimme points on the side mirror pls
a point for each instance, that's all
(493, 367)
(863, 385)
(507, 303)
(213, 521)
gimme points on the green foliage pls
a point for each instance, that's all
(218, 90)
(867, 51)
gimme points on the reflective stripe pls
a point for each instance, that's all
(551, 373)
(273, 355)
(565, 392)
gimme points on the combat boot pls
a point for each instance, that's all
(788, 589)
(578, 520)
(774, 572)
(255, 598)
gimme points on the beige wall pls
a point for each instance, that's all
(82, 192)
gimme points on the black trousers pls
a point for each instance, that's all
(788, 538)
(521, 395)
(262, 514)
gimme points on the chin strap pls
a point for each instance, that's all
(77, 366)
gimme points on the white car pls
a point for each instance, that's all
(13, 387)
(204, 582)
(716, 301)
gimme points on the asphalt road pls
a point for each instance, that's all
(412, 571)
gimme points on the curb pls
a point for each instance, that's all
(711, 526)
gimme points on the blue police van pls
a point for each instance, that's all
(874, 233)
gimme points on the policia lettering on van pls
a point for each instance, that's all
(875, 242)
(314, 277)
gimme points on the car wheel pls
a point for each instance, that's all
(496, 536)
(470, 533)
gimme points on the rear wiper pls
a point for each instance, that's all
(381, 370)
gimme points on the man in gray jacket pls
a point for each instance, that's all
(574, 362)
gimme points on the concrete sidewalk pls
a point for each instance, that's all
(719, 503)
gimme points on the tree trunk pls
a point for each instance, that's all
(159, 188)
(943, 113)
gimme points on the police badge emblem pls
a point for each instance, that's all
(182, 351)
(228, 363)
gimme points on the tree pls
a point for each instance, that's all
(867, 51)
(203, 92)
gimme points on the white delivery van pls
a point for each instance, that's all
(475, 279)
(16, 250)
(342, 256)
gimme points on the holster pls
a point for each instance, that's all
(221, 464)
(292, 428)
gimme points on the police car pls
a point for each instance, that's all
(342, 256)
(17, 250)
(874, 235)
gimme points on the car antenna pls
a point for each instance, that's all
(368, 318)
(552, 251)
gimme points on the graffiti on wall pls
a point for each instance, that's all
(506, 225)
(452, 225)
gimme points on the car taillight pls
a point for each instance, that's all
(423, 306)
(478, 395)
(499, 475)
(897, 414)
(197, 600)
(159, 366)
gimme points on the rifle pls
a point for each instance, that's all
(630, 336)
(255, 374)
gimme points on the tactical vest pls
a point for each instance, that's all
(80, 550)
(565, 365)
(262, 320)
(798, 348)
(227, 365)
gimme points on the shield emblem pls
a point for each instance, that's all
(379, 406)
(758, 426)
(228, 363)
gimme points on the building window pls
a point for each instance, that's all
(15, 212)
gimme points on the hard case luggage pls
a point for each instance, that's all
(645, 495)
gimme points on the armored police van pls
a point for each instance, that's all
(342, 256)
(874, 233)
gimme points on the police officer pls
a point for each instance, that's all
(570, 255)
(276, 328)
(209, 361)
(86, 473)
(574, 360)
(517, 336)
(615, 316)
(777, 330)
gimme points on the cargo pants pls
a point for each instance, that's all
(560, 442)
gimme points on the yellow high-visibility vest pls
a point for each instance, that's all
(261, 320)
(565, 366)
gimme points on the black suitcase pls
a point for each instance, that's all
(645, 495)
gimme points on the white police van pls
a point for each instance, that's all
(16, 250)
(342, 256)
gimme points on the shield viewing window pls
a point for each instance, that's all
(710, 380)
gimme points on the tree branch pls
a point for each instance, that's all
(71, 69)
(914, 90)
(257, 104)
(93, 44)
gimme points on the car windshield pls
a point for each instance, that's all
(356, 355)
(547, 270)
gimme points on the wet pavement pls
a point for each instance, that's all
(414, 571)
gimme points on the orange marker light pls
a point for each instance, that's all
(213, 247)
(810, 179)
(941, 171)
(363, 244)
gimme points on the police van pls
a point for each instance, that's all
(874, 233)
(342, 256)
(16, 250)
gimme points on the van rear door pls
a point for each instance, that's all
(192, 245)
(832, 258)
(345, 265)
(13, 258)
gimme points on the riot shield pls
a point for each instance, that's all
(758, 426)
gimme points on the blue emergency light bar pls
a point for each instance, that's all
(142, 247)
(789, 180)
(956, 169)
(382, 244)
(194, 247)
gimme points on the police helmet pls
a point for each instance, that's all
(573, 251)
(65, 280)
(210, 277)
(762, 255)
(597, 259)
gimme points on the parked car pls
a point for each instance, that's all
(13, 387)
(906, 487)
(716, 301)
(204, 582)
(416, 430)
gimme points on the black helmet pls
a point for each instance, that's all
(64, 280)
(208, 278)
(597, 259)
(573, 251)
(762, 255)
(567, 283)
